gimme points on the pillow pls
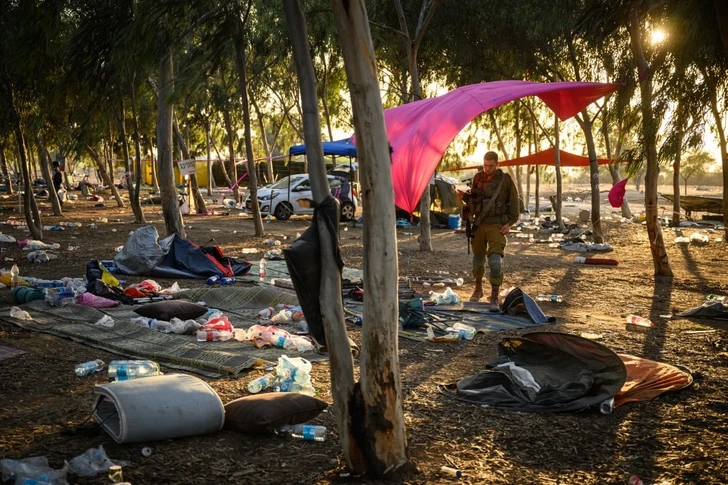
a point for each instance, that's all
(169, 309)
(261, 413)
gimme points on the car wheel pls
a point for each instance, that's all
(283, 211)
(347, 211)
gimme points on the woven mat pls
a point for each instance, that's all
(212, 359)
(478, 317)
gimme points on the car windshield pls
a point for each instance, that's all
(283, 183)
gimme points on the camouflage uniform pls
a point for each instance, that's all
(488, 240)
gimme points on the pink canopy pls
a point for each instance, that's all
(420, 132)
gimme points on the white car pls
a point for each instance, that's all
(277, 200)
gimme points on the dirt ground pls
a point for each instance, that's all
(678, 438)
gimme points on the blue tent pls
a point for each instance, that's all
(339, 148)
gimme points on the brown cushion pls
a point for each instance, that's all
(169, 309)
(261, 413)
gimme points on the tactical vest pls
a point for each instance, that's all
(481, 191)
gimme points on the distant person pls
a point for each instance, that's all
(57, 179)
(491, 207)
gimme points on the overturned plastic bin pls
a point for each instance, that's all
(158, 408)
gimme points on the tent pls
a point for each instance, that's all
(420, 132)
(174, 257)
(344, 148)
(545, 157)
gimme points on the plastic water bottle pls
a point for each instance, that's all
(267, 219)
(257, 385)
(466, 331)
(555, 298)
(307, 432)
(607, 406)
(227, 281)
(14, 275)
(262, 269)
(639, 321)
(123, 370)
(60, 296)
(88, 368)
(213, 280)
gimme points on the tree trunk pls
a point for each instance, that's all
(136, 206)
(104, 175)
(337, 340)
(264, 139)
(537, 195)
(48, 175)
(717, 114)
(30, 208)
(165, 111)
(199, 201)
(153, 166)
(596, 218)
(132, 187)
(557, 168)
(230, 178)
(209, 159)
(649, 132)
(4, 168)
(378, 424)
(243, 88)
(412, 46)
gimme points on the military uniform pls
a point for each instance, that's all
(487, 240)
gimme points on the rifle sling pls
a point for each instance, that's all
(490, 203)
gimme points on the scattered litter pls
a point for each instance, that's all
(92, 462)
(448, 297)
(452, 472)
(272, 242)
(146, 452)
(106, 321)
(699, 239)
(597, 261)
(592, 335)
(16, 312)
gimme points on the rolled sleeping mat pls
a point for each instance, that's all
(24, 294)
(158, 408)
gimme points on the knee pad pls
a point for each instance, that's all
(495, 263)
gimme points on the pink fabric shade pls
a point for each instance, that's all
(616, 193)
(420, 132)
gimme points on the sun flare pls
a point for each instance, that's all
(658, 36)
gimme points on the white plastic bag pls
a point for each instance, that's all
(106, 321)
(447, 297)
(93, 461)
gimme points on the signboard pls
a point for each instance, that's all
(187, 167)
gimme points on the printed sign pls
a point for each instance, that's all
(187, 167)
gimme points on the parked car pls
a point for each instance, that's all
(274, 199)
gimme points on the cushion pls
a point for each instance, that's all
(169, 309)
(261, 413)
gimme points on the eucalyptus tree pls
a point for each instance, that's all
(703, 44)
(379, 425)
(604, 18)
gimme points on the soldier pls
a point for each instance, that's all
(491, 207)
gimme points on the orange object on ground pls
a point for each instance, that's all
(647, 379)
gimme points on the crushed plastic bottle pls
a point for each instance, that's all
(639, 321)
(307, 432)
(607, 406)
(553, 298)
(59, 297)
(16, 312)
(261, 272)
